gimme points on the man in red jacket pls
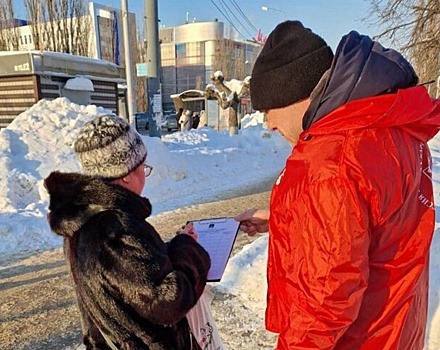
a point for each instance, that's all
(352, 213)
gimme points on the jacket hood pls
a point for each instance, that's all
(75, 198)
(361, 68)
(410, 109)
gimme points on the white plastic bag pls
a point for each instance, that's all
(202, 323)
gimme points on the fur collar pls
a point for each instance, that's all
(75, 198)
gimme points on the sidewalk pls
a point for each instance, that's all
(37, 303)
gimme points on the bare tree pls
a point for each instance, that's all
(222, 59)
(414, 27)
(9, 36)
(66, 16)
(53, 23)
(59, 25)
(230, 58)
(34, 16)
(80, 30)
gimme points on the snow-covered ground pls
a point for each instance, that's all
(189, 168)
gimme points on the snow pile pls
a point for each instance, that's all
(189, 167)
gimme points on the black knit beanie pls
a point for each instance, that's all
(289, 66)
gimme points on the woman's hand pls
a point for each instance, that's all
(253, 221)
(188, 229)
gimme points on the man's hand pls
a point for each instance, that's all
(253, 221)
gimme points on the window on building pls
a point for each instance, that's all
(25, 39)
(180, 50)
(190, 54)
(168, 55)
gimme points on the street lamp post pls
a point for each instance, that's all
(267, 8)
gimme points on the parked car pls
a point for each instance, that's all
(171, 122)
(141, 121)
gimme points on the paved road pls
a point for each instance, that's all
(37, 303)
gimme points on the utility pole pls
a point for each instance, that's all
(154, 93)
(131, 89)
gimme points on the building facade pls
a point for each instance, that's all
(192, 52)
(97, 34)
(189, 53)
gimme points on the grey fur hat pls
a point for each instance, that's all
(108, 147)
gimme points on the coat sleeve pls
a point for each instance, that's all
(328, 264)
(129, 265)
(190, 258)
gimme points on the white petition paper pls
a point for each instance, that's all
(217, 236)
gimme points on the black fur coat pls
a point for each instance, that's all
(130, 284)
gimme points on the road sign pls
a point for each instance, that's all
(157, 103)
(141, 69)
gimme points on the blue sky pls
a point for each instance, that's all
(329, 19)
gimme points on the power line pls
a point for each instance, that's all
(243, 14)
(233, 14)
(227, 18)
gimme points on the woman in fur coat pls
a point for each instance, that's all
(133, 289)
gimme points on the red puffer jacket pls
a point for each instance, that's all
(352, 217)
